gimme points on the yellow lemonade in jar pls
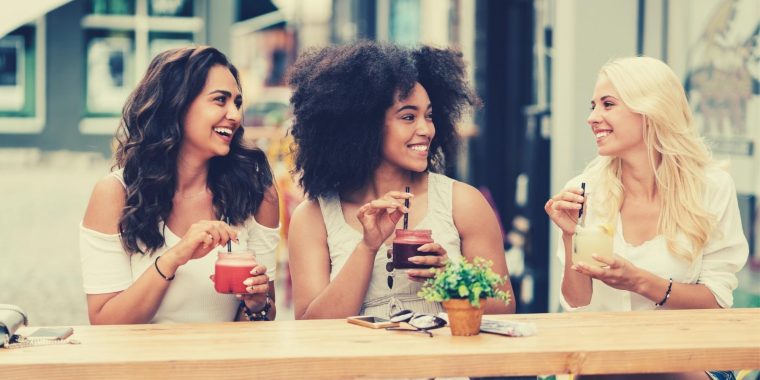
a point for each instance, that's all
(594, 239)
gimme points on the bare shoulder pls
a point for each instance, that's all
(271, 195)
(268, 213)
(466, 196)
(470, 208)
(106, 206)
(465, 191)
(307, 224)
(309, 213)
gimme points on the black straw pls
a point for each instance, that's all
(583, 205)
(229, 242)
(406, 214)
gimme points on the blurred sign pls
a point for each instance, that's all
(723, 79)
(263, 49)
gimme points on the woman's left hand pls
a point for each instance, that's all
(437, 260)
(619, 274)
(257, 287)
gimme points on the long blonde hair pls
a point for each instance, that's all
(677, 153)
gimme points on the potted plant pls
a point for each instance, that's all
(461, 286)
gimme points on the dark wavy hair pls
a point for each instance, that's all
(148, 141)
(341, 94)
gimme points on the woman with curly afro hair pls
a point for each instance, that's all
(370, 120)
(185, 186)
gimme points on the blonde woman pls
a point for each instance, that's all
(677, 236)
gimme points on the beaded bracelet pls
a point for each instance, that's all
(667, 293)
(261, 315)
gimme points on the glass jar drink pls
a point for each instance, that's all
(231, 269)
(594, 239)
(405, 245)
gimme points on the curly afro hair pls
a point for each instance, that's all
(341, 94)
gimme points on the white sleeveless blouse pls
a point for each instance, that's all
(380, 301)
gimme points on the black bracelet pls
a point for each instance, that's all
(667, 294)
(155, 264)
(261, 315)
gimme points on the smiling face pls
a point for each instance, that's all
(408, 131)
(617, 129)
(214, 116)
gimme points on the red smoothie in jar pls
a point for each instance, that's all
(405, 245)
(231, 270)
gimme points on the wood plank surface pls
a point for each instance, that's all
(588, 343)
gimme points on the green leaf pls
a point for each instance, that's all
(476, 291)
(464, 280)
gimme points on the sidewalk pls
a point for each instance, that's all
(42, 199)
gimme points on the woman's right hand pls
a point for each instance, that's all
(379, 217)
(200, 239)
(563, 209)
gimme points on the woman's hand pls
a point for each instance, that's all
(200, 239)
(379, 217)
(257, 287)
(436, 261)
(619, 274)
(563, 209)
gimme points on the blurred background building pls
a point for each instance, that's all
(66, 68)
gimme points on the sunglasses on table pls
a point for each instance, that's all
(420, 322)
(389, 267)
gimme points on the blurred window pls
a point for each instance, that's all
(404, 22)
(21, 68)
(110, 72)
(111, 7)
(121, 37)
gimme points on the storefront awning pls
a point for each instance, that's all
(14, 13)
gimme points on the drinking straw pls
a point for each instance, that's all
(583, 205)
(406, 214)
(229, 242)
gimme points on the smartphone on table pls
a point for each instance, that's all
(371, 322)
(51, 333)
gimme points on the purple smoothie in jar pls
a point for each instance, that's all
(405, 245)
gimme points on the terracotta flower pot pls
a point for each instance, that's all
(464, 318)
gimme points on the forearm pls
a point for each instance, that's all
(576, 287)
(495, 306)
(682, 296)
(344, 295)
(138, 303)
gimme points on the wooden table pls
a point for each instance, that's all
(662, 341)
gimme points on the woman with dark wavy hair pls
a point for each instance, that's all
(184, 186)
(370, 120)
